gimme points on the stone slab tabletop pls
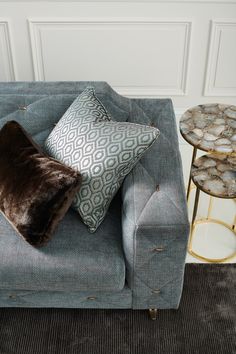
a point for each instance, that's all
(215, 174)
(210, 127)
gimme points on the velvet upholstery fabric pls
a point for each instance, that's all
(154, 215)
(73, 261)
(154, 210)
(35, 191)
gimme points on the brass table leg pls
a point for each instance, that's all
(234, 222)
(210, 208)
(153, 314)
(206, 220)
(190, 179)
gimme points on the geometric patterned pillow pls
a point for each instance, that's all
(104, 151)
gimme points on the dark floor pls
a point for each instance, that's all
(205, 323)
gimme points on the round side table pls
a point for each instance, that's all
(215, 175)
(211, 128)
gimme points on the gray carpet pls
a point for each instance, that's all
(205, 323)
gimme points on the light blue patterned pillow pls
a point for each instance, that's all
(104, 151)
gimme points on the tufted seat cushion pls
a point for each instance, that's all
(74, 260)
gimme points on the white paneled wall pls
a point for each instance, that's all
(180, 49)
(7, 69)
(185, 49)
(221, 67)
(131, 53)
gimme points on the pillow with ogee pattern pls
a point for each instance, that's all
(104, 151)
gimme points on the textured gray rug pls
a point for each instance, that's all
(205, 323)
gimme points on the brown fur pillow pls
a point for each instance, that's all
(35, 190)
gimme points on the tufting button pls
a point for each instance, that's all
(152, 125)
(91, 298)
(157, 187)
(158, 249)
(22, 108)
(156, 291)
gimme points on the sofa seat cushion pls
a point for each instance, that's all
(74, 260)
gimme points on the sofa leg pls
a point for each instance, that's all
(153, 314)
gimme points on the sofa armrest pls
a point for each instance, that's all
(155, 225)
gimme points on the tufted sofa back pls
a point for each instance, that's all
(37, 106)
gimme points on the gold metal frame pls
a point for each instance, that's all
(208, 219)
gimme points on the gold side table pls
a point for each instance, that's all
(211, 128)
(215, 175)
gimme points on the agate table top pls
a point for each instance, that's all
(210, 127)
(215, 174)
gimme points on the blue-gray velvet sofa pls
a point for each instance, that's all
(136, 258)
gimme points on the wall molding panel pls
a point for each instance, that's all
(221, 68)
(182, 49)
(45, 32)
(7, 68)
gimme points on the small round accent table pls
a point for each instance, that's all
(211, 128)
(214, 174)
